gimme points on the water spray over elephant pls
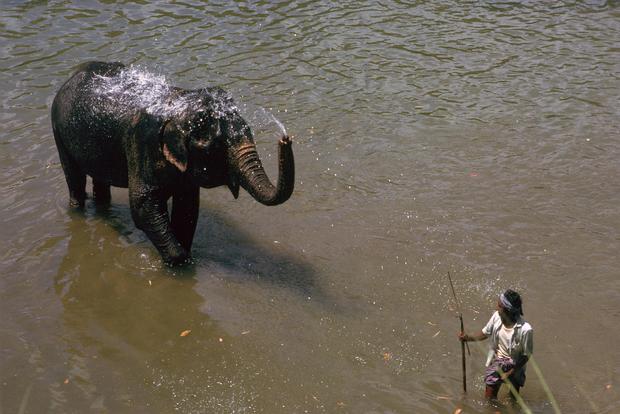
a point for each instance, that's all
(128, 130)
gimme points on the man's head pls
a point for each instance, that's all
(510, 304)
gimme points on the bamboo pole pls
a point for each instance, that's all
(463, 343)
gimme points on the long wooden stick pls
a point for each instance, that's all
(463, 358)
(463, 343)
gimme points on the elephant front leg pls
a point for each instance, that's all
(101, 192)
(150, 213)
(185, 205)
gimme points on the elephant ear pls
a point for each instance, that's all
(174, 146)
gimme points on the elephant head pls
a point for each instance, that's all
(211, 141)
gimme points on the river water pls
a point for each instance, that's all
(476, 138)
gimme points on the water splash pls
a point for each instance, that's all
(262, 119)
(279, 124)
(135, 87)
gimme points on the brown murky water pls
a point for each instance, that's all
(480, 139)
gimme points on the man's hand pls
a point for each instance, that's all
(504, 375)
(480, 336)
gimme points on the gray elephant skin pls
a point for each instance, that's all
(125, 130)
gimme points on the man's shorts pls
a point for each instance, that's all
(492, 376)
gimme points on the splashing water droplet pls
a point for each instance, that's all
(262, 118)
(135, 87)
(279, 124)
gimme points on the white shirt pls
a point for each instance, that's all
(503, 341)
(521, 342)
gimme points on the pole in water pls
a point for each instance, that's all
(458, 308)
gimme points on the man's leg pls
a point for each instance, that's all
(490, 392)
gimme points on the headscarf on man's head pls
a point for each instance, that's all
(511, 301)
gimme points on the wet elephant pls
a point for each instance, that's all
(129, 129)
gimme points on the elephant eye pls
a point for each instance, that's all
(201, 144)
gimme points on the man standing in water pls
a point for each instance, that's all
(510, 347)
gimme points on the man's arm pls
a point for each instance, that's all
(521, 361)
(525, 356)
(478, 336)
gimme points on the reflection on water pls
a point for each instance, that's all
(132, 315)
(473, 138)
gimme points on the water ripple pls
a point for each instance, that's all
(492, 125)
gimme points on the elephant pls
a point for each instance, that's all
(126, 128)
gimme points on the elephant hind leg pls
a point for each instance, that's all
(76, 178)
(101, 192)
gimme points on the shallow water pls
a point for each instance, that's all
(480, 139)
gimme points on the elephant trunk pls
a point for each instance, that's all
(254, 180)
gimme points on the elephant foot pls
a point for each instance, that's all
(179, 261)
(180, 257)
(77, 201)
(102, 202)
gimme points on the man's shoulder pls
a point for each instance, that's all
(525, 326)
(493, 324)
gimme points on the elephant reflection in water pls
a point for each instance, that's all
(122, 332)
(127, 128)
